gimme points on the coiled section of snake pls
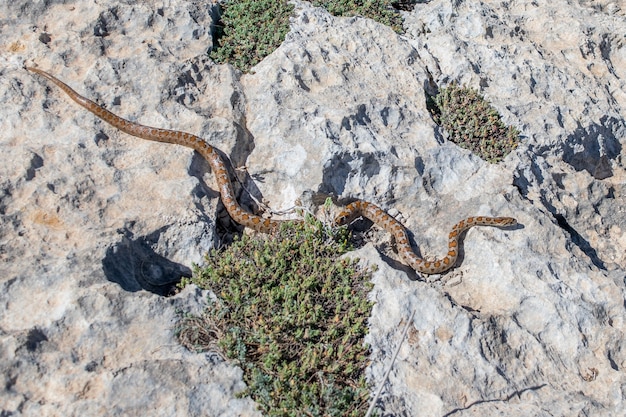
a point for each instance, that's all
(260, 224)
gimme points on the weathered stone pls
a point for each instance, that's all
(92, 217)
(95, 224)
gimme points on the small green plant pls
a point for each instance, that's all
(250, 30)
(293, 315)
(473, 123)
(380, 11)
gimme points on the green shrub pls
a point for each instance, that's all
(473, 123)
(250, 30)
(379, 10)
(293, 315)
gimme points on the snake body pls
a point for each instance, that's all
(391, 225)
(264, 225)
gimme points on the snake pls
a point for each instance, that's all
(348, 214)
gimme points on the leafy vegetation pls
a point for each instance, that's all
(381, 11)
(293, 315)
(250, 30)
(473, 123)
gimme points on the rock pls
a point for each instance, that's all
(92, 218)
(96, 224)
(504, 331)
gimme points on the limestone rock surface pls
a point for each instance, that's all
(96, 224)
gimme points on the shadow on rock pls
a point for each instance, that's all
(592, 148)
(134, 265)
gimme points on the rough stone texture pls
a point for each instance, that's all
(92, 218)
(95, 224)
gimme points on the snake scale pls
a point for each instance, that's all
(350, 212)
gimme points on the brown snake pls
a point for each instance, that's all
(260, 224)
